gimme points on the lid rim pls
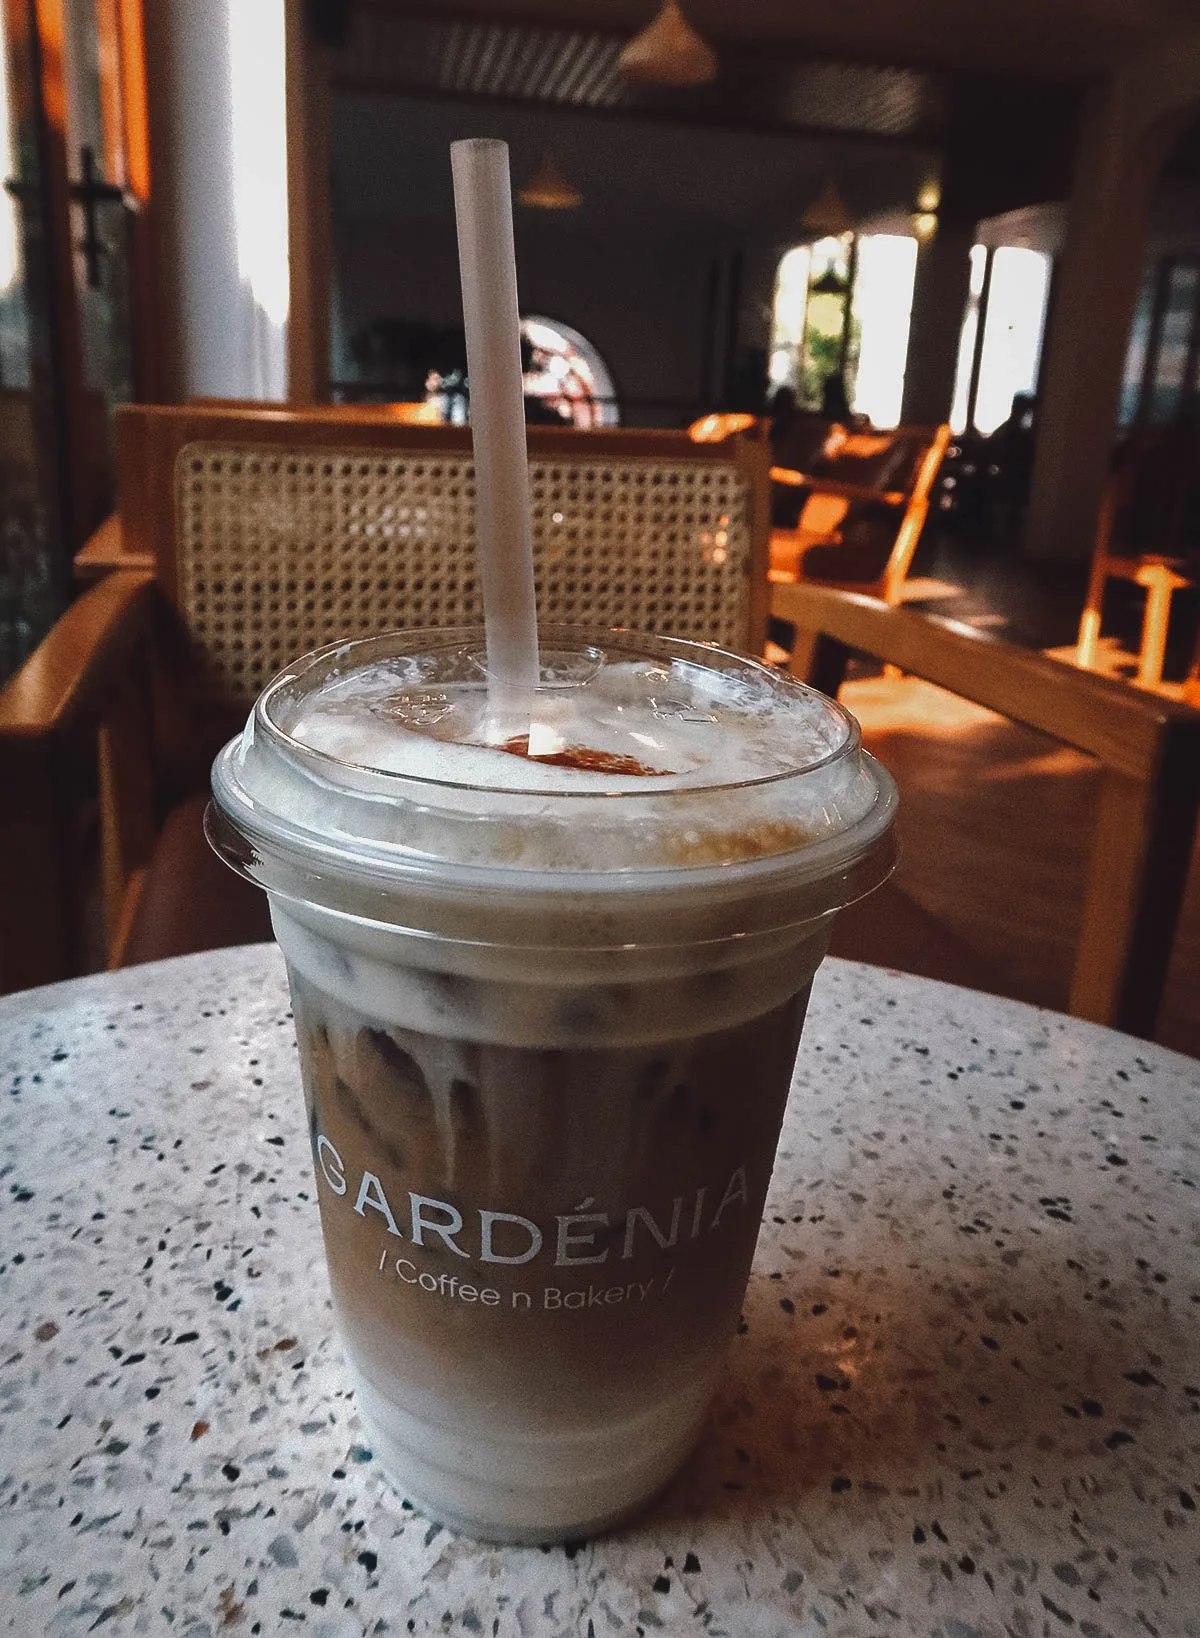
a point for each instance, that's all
(822, 857)
(286, 814)
(310, 757)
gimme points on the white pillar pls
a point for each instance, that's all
(1128, 125)
(1089, 328)
(219, 137)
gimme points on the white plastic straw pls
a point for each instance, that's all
(483, 205)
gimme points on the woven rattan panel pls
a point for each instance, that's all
(281, 551)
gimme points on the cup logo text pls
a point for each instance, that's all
(572, 1239)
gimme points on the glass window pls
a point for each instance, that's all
(1135, 355)
(1014, 319)
(828, 293)
(1012, 333)
(566, 373)
(258, 157)
(790, 314)
(881, 309)
(1175, 340)
(14, 317)
(812, 288)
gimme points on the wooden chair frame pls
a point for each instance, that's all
(150, 437)
(100, 698)
(1158, 576)
(1148, 748)
(79, 707)
(912, 506)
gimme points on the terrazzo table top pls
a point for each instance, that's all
(965, 1398)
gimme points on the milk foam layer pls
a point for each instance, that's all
(373, 759)
(687, 727)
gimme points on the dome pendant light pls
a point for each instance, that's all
(828, 212)
(548, 189)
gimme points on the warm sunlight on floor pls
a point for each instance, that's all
(996, 827)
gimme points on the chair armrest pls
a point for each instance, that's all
(832, 486)
(1118, 725)
(69, 677)
(859, 492)
(104, 550)
(1149, 749)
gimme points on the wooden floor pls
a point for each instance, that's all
(996, 826)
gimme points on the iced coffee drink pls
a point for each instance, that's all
(548, 993)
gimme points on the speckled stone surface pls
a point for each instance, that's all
(965, 1397)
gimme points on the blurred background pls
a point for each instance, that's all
(990, 217)
(945, 258)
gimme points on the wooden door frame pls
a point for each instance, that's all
(35, 32)
(121, 33)
(307, 74)
(36, 29)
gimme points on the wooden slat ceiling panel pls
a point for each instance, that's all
(420, 55)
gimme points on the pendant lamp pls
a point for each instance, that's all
(548, 189)
(828, 212)
(669, 52)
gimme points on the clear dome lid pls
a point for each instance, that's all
(370, 772)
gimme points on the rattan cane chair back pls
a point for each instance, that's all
(273, 532)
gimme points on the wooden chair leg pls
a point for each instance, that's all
(819, 661)
(1089, 636)
(1089, 623)
(1135, 893)
(902, 554)
(1159, 583)
(127, 817)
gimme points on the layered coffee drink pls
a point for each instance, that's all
(548, 994)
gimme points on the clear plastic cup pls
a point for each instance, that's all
(547, 1015)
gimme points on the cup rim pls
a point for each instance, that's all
(551, 638)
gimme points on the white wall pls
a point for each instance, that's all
(566, 270)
